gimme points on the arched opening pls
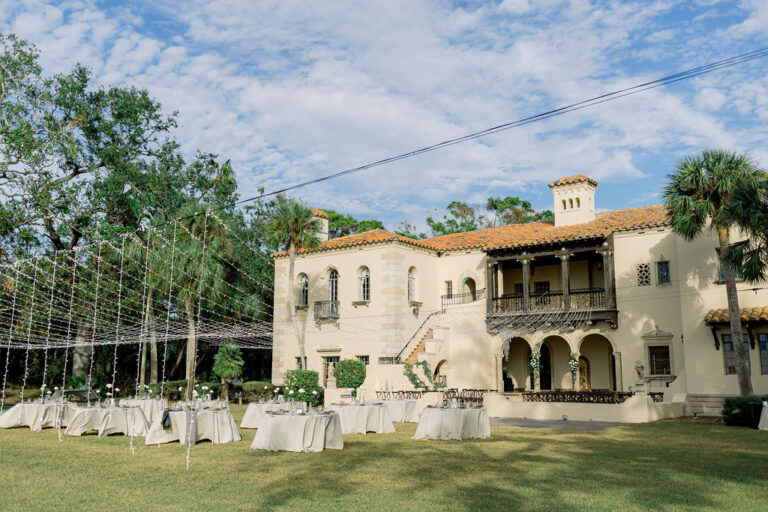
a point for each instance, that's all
(303, 292)
(578, 203)
(412, 283)
(597, 352)
(570, 203)
(557, 374)
(563, 204)
(545, 373)
(515, 373)
(469, 289)
(585, 384)
(333, 285)
(364, 284)
(440, 371)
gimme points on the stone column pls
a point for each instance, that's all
(499, 373)
(576, 379)
(565, 270)
(618, 372)
(489, 288)
(526, 284)
(608, 278)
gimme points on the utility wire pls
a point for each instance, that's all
(659, 82)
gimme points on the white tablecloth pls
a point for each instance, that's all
(438, 423)
(763, 425)
(37, 416)
(402, 411)
(312, 432)
(205, 404)
(85, 419)
(215, 426)
(359, 419)
(129, 421)
(255, 412)
(151, 407)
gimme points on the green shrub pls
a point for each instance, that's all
(255, 390)
(350, 373)
(743, 411)
(296, 380)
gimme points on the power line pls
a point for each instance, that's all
(659, 82)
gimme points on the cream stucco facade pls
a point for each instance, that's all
(618, 295)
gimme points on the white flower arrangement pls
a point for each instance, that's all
(276, 390)
(290, 392)
(266, 387)
(194, 392)
(43, 386)
(314, 392)
(301, 390)
(56, 388)
(109, 386)
(205, 388)
(181, 389)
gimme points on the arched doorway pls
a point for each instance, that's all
(515, 375)
(469, 288)
(584, 382)
(545, 374)
(557, 374)
(597, 351)
(440, 371)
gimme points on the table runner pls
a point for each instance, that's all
(299, 433)
(439, 423)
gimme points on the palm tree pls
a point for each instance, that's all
(749, 209)
(697, 197)
(228, 364)
(293, 226)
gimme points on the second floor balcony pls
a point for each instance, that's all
(326, 310)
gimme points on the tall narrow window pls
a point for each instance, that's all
(578, 202)
(660, 360)
(729, 353)
(303, 298)
(412, 283)
(449, 289)
(662, 272)
(333, 285)
(570, 203)
(763, 341)
(364, 284)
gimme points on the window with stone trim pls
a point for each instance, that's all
(364, 284)
(303, 291)
(660, 360)
(364, 359)
(729, 353)
(663, 275)
(762, 339)
(643, 274)
(387, 360)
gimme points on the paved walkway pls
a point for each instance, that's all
(574, 425)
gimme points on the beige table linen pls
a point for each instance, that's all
(129, 421)
(151, 407)
(763, 425)
(255, 412)
(402, 411)
(86, 419)
(359, 419)
(204, 404)
(217, 427)
(439, 423)
(311, 432)
(37, 416)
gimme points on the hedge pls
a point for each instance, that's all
(743, 411)
(306, 380)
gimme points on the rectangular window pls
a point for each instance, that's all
(662, 272)
(449, 289)
(300, 366)
(729, 353)
(659, 359)
(329, 364)
(386, 360)
(540, 287)
(763, 340)
(643, 274)
(721, 269)
(364, 359)
(519, 289)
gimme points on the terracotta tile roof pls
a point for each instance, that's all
(319, 213)
(721, 315)
(516, 235)
(570, 180)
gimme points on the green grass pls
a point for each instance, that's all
(658, 466)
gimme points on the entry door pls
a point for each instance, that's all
(584, 382)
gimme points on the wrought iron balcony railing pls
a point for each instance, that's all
(326, 310)
(581, 298)
(462, 298)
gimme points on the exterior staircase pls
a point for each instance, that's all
(413, 357)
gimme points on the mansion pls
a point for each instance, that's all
(609, 301)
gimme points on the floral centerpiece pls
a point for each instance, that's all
(302, 386)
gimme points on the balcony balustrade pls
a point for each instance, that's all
(583, 298)
(326, 310)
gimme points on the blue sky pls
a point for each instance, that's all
(295, 90)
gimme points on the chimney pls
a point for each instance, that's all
(322, 217)
(574, 200)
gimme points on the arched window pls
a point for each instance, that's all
(364, 284)
(412, 283)
(570, 203)
(333, 285)
(563, 204)
(303, 298)
(578, 203)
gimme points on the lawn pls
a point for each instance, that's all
(658, 466)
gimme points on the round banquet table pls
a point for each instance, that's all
(402, 411)
(440, 423)
(360, 419)
(151, 407)
(38, 416)
(255, 412)
(313, 432)
(217, 427)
